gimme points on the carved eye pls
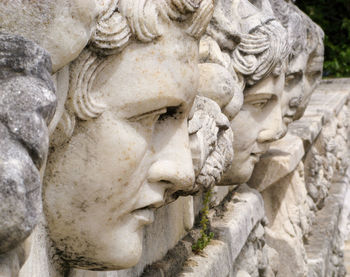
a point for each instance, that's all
(259, 104)
(258, 101)
(171, 112)
(293, 79)
(152, 115)
(290, 78)
(313, 76)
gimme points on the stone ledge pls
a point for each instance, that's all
(325, 231)
(307, 128)
(325, 103)
(232, 225)
(232, 229)
(282, 158)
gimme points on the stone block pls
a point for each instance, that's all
(281, 159)
(325, 240)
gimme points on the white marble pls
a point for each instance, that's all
(61, 27)
(130, 147)
(159, 99)
(255, 68)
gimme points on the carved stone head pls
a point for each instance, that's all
(27, 103)
(295, 26)
(314, 63)
(304, 69)
(31, 34)
(257, 57)
(125, 148)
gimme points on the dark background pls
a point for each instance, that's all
(334, 18)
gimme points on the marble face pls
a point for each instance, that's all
(311, 78)
(303, 75)
(294, 88)
(102, 187)
(259, 120)
(50, 24)
(258, 123)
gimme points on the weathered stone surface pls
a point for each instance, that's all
(323, 105)
(121, 148)
(27, 103)
(123, 137)
(289, 219)
(211, 142)
(291, 203)
(218, 258)
(240, 215)
(324, 159)
(256, 258)
(62, 28)
(324, 246)
(11, 262)
(307, 128)
(282, 158)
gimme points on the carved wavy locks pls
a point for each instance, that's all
(260, 52)
(294, 23)
(142, 15)
(84, 71)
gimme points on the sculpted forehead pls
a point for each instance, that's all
(157, 73)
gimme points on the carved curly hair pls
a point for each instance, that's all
(261, 52)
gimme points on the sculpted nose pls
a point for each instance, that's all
(295, 101)
(271, 135)
(274, 128)
(174, 173)
(173, 164)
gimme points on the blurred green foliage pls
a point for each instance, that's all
(334, 18)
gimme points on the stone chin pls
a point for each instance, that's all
(108, 252)
(239, 173)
